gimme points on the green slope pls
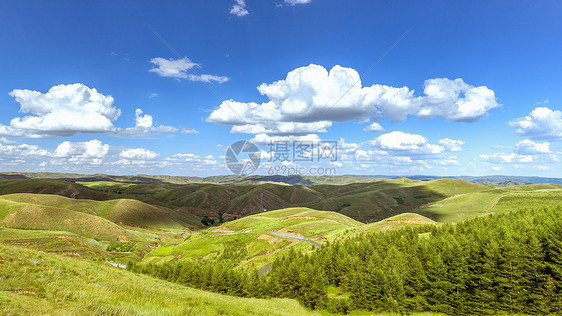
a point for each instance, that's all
(40, 284)
(58, 187)
(469, 205)
(366, 202)
(258, 235)
(122, 211)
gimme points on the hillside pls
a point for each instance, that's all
(469, 205)
(40, 284)
(366, 202)
(259, 236)
(58, 187)
(86, 228)
(124, 212)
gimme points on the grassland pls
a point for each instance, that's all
(57, 187)
(86, 228)
(38, 283)
(368, 201)
(469, 205)
(256, 232)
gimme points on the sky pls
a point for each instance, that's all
(318, 86)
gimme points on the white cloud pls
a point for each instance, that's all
(505, 158)
(63, 111)
(264, 139)
(142, 120)
(400, 143)
(207, 78)
(14, 149)
(67, 153)
(295, 2)
(452, 144)
(177, 68)
(173, 68)
(311, 97)
(138, 154)
(541, 123)
(91, 149)
(455, 100)
(525, 151)
(374, 127)
(239, 8)
(529, 147)
(144, 127)
(189, 131)
(152, 95)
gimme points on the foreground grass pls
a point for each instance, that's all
(33, 282)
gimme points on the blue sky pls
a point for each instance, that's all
(129, 87)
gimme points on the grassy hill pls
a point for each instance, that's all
(86, 228)
(366, 202)
(58, 187)
(469, 205)
(397, 222)
(38, 283)
(261, 235)
(124, 212)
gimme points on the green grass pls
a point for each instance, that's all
(57, 187)
(470, 205)
(255, 232)
(38, 283)
(122, 211)
(53, 241)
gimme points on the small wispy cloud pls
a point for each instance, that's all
(178, 68)
(239, 8)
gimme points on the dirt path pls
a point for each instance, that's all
(450, 198)
(444, 201)
(494, 204)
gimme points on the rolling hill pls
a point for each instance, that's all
(260, 234)
(469, 205)
(366, 202)
(58, 187)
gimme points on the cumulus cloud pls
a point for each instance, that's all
(525, 147)
(451, 144)
(180, 158)
(310, 98)
(91, 149)
(400, 143)
(173, 68)
(525, 151)
(541, 123)
(63, 111)
(85, 154)
(239, 8)
(177, 68)
(455, 100)
(144, 127)
(189, 131)
(264, 139)
(138, 153)
(9, 148)
(374, 127)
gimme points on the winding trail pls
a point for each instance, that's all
(489, 210)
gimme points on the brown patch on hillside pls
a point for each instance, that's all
(270, 239)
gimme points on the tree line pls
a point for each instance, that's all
(500, 263)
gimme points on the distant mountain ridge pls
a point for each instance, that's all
(499, 180)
